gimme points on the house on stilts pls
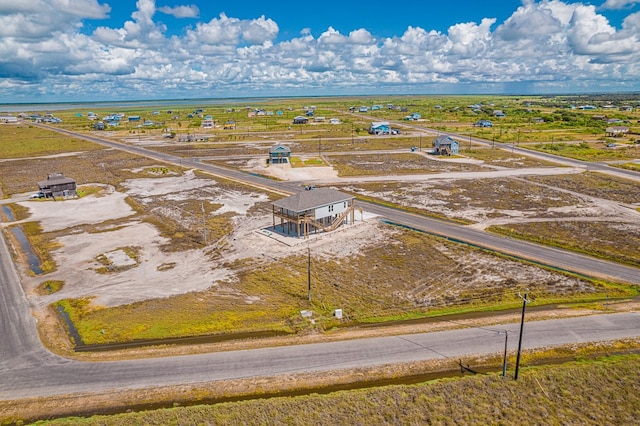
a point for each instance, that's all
(313, 211)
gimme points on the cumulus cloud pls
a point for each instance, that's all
(543, 45)
(191, 11)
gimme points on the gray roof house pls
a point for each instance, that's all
(57, 185)
(322, 209)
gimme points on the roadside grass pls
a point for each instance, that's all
(589, 392)
(387, 282)
(586, 152)
(628, 166)
(394, 164)
(618, 242)
(26, 140)
(595, 185)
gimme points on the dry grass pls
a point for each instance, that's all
(469, 199)
(394, 164)
(413, 275)
(503, 158)
(590, 393)
(619, 242)
(595, 185)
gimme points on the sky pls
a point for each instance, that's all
(95, 50)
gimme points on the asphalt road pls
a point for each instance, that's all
(29, 370)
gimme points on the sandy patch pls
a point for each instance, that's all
(157, 274)
(57, 215)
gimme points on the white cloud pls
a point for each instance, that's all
(618, 4)
(545, 45)
(191, 11)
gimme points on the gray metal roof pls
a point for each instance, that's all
(444, 140)
(307, 200)
(55, 179)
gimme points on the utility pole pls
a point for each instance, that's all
(524, 305)
(421, 142)
(204, 223)
(309, 273)
(504, 358)
(319, 146)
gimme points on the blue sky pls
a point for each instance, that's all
(83, 50)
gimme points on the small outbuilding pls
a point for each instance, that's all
(300, 120)
(57, 185)
(321, 209)
(279, 154)
(445, 145)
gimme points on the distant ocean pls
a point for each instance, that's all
(88, 106)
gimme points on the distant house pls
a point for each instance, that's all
(379, 128)
(499, 113)
(483, 123)
(230, 124)
(8, 119)
(57, 185)
(300, 120)
(98, 126)
(615, 131)
(279, 154)
(207, 123)
(445, 145)
(376, 107)
(587, 107)
(134, 118)
(414, 116)
(626, 108)
(319, 119)
(538, 120)
(334, 121)
(321, 209)
(363, 109)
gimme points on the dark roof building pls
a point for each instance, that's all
(322, 209)
(57, 185)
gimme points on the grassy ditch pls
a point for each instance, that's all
(409, 275)
(590, 392)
